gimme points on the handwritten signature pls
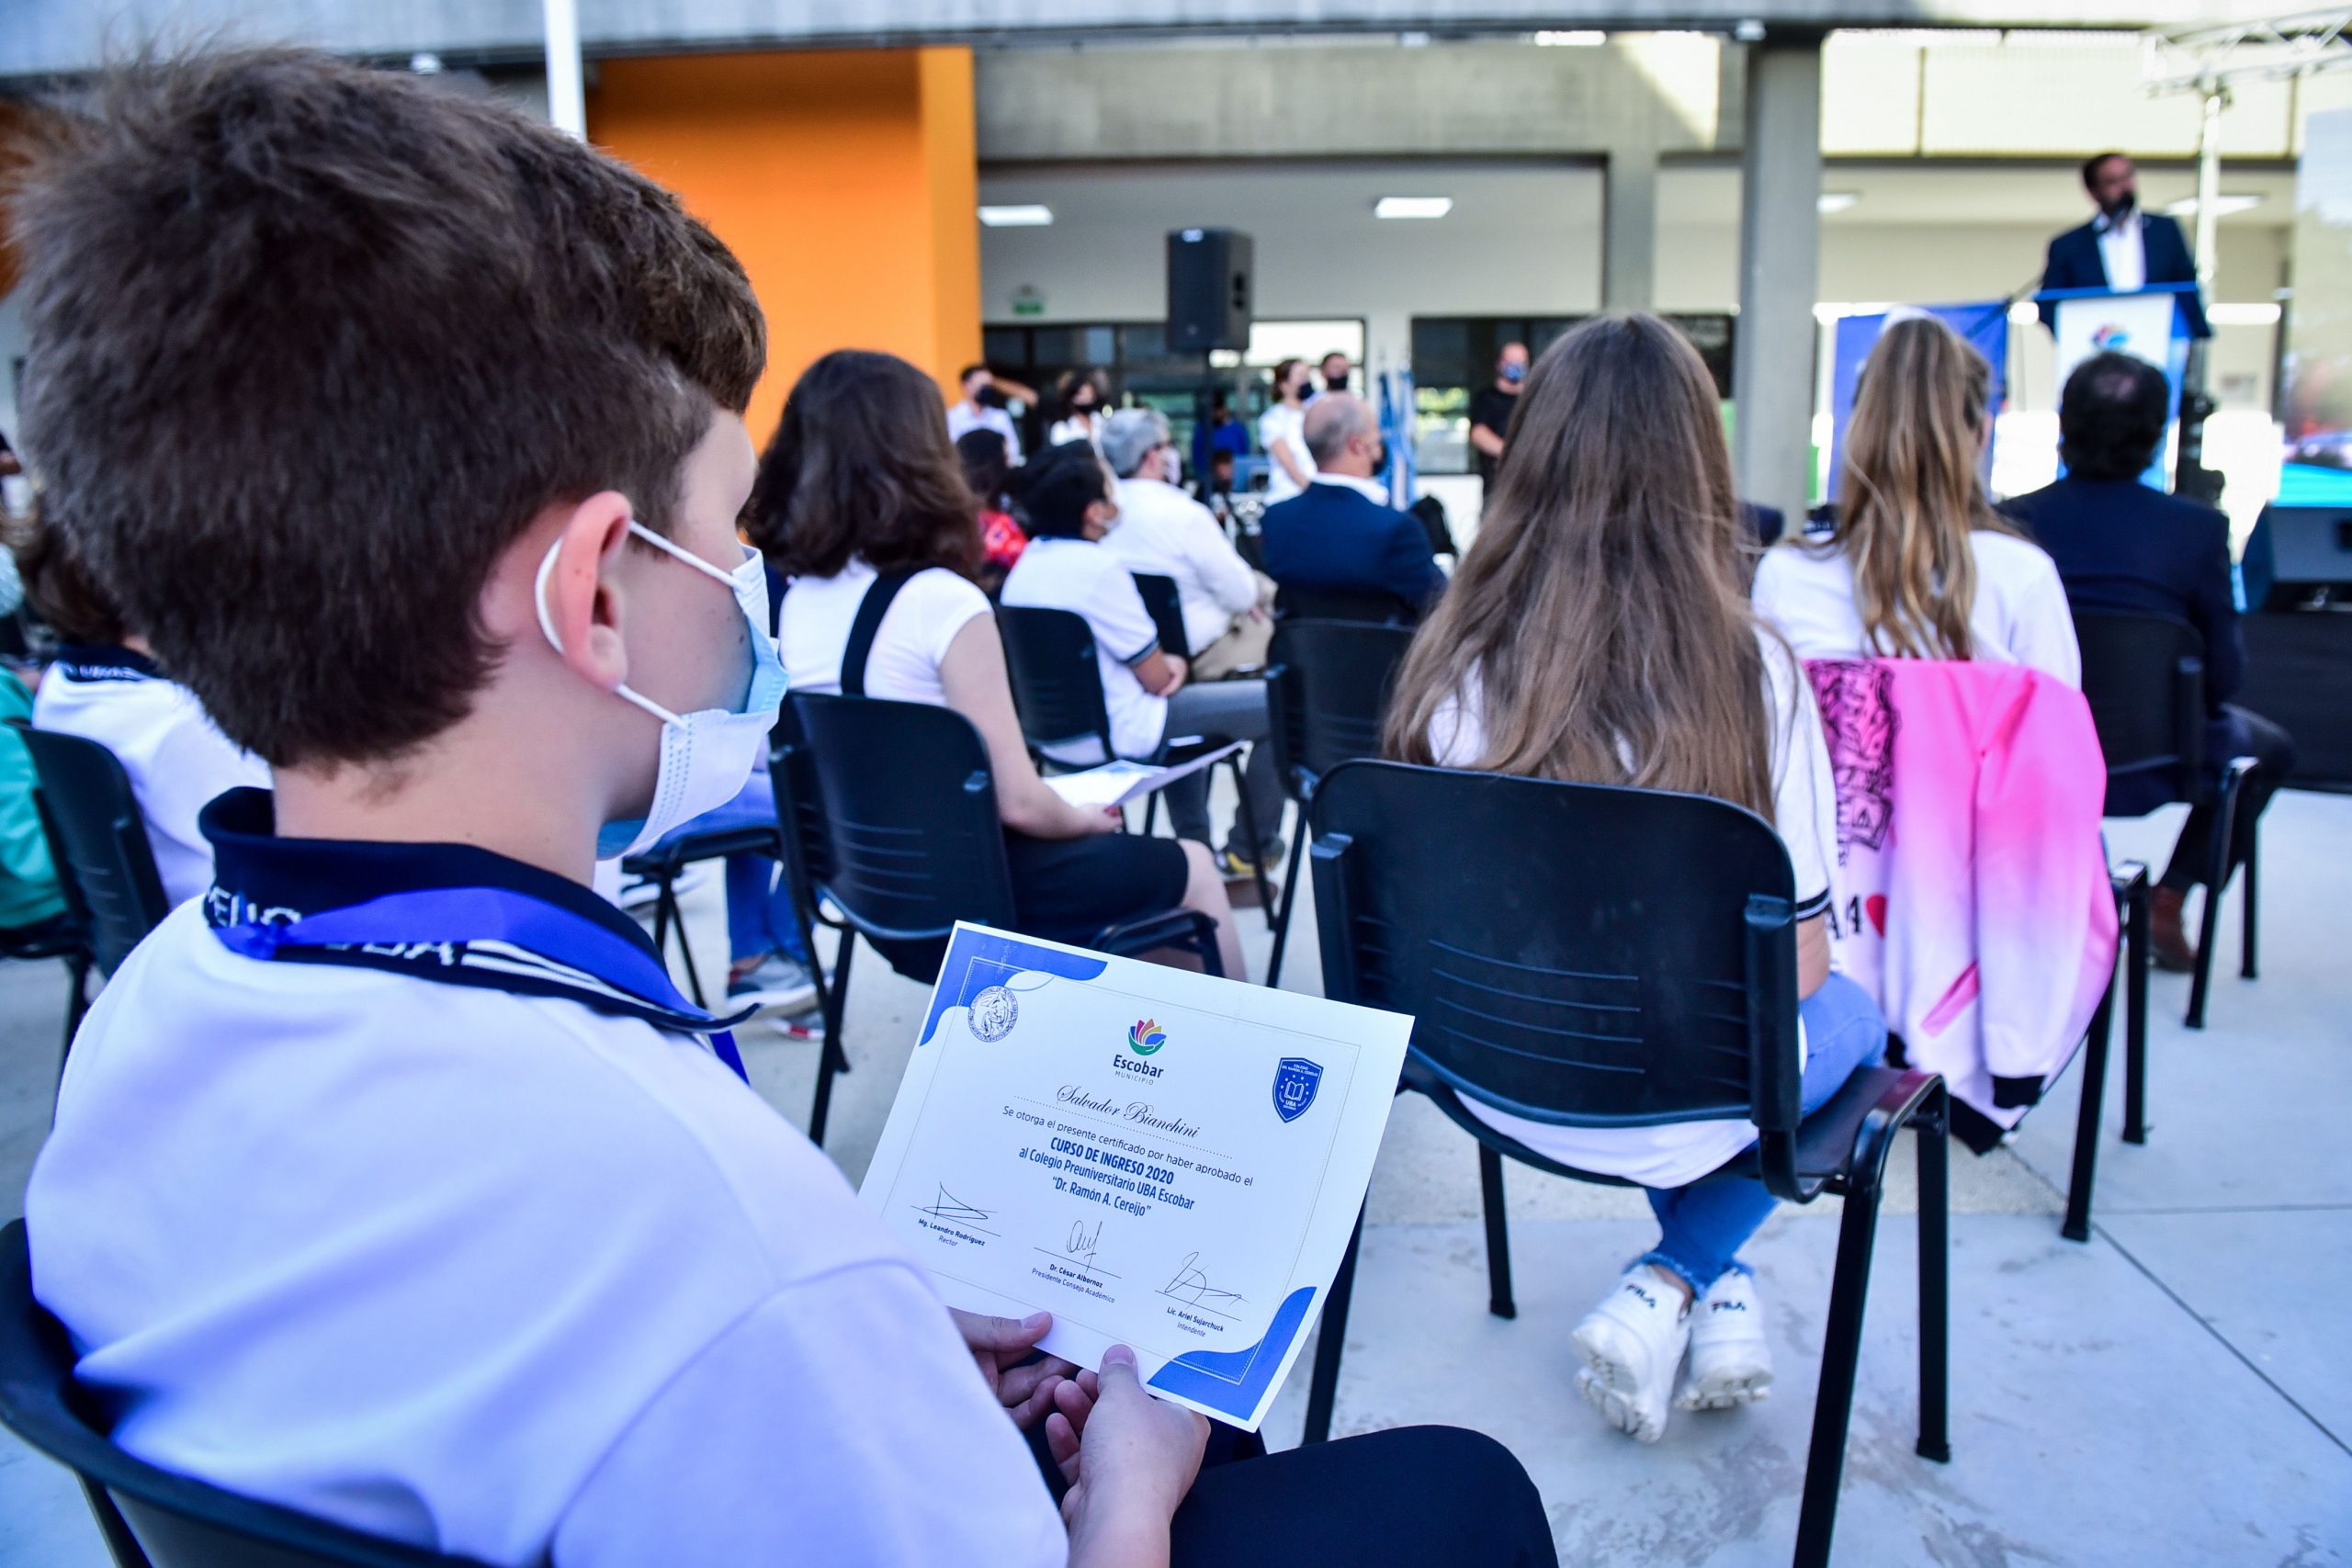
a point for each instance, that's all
(950, 1207)
(1082, 1242)
(1191, 1287)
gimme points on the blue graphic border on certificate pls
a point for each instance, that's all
(1233, 1380)
(978, 959)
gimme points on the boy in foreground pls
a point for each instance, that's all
(393, 1180)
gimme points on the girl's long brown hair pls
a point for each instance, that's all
(1602, 613)
(1909, 493)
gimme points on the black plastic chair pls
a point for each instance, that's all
(890, 816)
(1058, 688)
(2145, 677)
(152, 1517)
(1165, 605)
(1327, 694)
(1373, 604)
(106, 866)
(1595, 956)
(665, 862)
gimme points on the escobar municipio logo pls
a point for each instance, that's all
(2111, 338)
(1145, 1037)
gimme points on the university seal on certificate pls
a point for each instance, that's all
(994, 1012)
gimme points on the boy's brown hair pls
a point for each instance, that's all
(310, 345)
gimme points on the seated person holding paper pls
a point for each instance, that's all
(860, 493)
(1617, 509)
(504, 1259)
(1070, 502)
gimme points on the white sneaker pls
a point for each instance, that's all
(1731, 1360)
(1632, 1345)
(779, 983)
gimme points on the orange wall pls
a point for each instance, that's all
(844, 180)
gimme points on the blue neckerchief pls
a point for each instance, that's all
(452, 914)
(92, 661)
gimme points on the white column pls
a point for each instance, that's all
(567, 105)
(1780, 269)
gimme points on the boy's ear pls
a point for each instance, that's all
(583, 591)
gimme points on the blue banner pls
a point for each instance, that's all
(1984, 327)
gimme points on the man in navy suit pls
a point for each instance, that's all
(2123, 248)
(2122, 546)
(1340, 533)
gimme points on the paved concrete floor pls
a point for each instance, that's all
(2175, 1392)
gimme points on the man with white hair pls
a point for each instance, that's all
(1341, 536)
(1164, 530)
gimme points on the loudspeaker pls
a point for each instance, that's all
(1208, 290)
(2311, 546)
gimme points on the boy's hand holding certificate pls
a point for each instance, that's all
(1159, 1158)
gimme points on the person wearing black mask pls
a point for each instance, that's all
(1491, 408)
(1335, 370)
(2123, 248)
(987, 405)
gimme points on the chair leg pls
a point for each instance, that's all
(77, 1005)
(1841, 1350)
(1490, 1196)
(2078, 1223)
(1323, 1387)
(2217, 882)
(122, 1545)
(1290, 901)
(1934, 1283)
(1248, 817)
(1151, 812)
(2136, 1016)
(2249, 872)
(832, 1057)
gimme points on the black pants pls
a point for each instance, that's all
(2250, 735)
(1411, 1497)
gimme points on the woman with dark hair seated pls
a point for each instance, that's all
(988, 470)
(860, 492)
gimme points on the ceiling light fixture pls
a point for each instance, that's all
(1831, 201)
(1026, 215)
(1412, 207)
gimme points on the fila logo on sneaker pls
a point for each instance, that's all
(1641, 1296)
(1727, 1306)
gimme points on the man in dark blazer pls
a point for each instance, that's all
(1340, 535)
(2121, 547)
(2122, 247)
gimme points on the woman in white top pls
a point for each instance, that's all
(1282, 432)
(1080, 394)
(1596, 631)
(859, 481)
(1916, 565)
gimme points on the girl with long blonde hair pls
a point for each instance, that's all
(1599, 630)
(1915, 562)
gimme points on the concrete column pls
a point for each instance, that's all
(1780, 268)
(1629, 229)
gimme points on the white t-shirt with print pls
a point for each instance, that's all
(909, 647)
(2018, 616)
(1287, 426)
(1080, 575)
(1804, 813)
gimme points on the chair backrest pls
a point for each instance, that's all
(1327, 687)
(1165, 605)
(890, 811)
(151, 1516)
(1373, 604)
(2144, 679)
(1581, 955)
(1056, 684)
(106, 866)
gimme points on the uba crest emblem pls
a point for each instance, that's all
(1295, 1081)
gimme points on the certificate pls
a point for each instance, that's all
(1159, 1158)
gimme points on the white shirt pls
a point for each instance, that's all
(502, 1276)
(1804, 813)
(1162, 530)
(1371, 489)
(2121, 252)
(1285, 425)
(908, 646)
(177, 757)
(965, 417)
(1075, 427)
(2019, 615)
(1080, 575)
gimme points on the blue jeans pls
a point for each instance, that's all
(1702, 1227)
(759, 901)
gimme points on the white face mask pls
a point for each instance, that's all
(1171, 464)
(706, 755)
